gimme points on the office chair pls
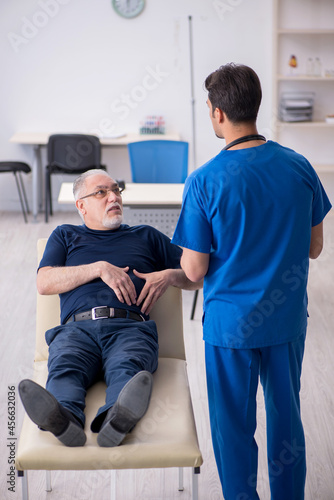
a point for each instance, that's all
(17, 167)
(165, 437)
(70, 154)
(158, 161)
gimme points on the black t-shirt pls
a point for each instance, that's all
(140, 247)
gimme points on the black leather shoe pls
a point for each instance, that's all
(45, 411)
(130, 407)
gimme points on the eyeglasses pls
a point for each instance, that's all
(102, 193)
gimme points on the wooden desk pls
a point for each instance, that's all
(40, 139)
(157, 205)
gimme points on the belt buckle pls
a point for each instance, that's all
(94, 316)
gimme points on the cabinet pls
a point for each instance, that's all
(305, 29)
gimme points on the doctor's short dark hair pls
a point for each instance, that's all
(236, 90)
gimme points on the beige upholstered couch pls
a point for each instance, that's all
(165, 437)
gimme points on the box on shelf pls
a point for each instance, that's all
(296, 106)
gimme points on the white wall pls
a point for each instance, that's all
(70, 65)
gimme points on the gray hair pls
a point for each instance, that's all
(80, 181)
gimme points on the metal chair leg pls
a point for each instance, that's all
(194, 304)
(196, 471)
(50, 195)
(24, 482)
(21, 198)
(48, 201)
(113, 487)
(181, 487)
(48, 480)
(24, 193)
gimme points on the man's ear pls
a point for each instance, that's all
(219, 115)
(80, 204)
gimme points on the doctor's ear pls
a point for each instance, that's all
(219, 115)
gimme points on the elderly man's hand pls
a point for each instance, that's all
(119, 281)
(155, 286)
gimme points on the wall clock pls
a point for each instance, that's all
(128, 8)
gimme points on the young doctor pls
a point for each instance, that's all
(251, 218)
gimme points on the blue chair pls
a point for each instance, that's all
(158, 161)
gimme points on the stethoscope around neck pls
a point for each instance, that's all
(245, 138)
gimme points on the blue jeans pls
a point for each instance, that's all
(80, 353)
(232, 380)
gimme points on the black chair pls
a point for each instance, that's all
(17, 167)
(70, 154)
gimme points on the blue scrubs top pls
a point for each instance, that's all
(252, 210)
(140, 247)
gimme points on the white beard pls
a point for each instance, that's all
(112, 223)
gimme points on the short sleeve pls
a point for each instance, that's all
(193, 229)
(167, 254)
(55, 251)
(321, 203)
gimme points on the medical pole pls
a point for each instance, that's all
(192, 100)
(193, 308)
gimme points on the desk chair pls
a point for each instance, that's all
(165, 437)
(70, 154)
(158, 161)
(17, 167)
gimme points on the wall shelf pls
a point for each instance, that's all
(307, 33)
(305, 78)
(324, 169)
(310, 124)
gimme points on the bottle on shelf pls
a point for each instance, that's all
(317, 67)
(309, 67)
(293, 65)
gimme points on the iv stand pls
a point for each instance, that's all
(192, 100)
(192, 314)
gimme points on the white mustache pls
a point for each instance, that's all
(113, 205)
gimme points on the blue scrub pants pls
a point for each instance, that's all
(80, 353)
(232, 381)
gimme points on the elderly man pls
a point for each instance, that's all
(108, 276)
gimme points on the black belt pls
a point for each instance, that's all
(104, 312)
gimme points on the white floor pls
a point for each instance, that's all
(17, 320)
